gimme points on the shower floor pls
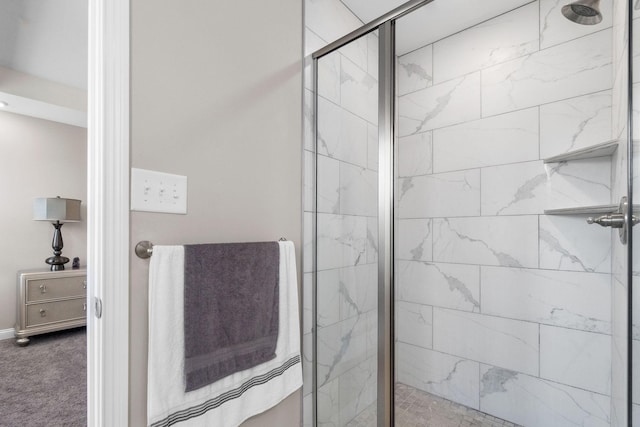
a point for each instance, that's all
(416, 408)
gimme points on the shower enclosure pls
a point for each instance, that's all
(469, 160)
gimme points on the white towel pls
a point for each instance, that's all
(233, 399)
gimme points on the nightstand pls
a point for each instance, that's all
(50, 301)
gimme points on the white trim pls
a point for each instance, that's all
(108, 213)
(6, 334)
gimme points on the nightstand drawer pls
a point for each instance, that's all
(54, 288)
(38, 314)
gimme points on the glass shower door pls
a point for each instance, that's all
(510, 307)
(346, 235)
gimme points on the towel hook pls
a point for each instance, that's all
(144, 249)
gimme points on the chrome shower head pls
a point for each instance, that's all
(585, 12)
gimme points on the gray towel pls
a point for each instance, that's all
(230, 309)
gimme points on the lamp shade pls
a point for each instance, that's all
(56, 209)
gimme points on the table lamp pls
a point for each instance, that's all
(57, 211)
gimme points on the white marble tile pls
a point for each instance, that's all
(563, 298)
(371, 336)
(341, 135)
(442, 285)
(341, 347)
(358, 91)
(636, 372)
(414, 324)
(328, 297)
(312, 42)
(308, 243)
(569, 243)
(328, 185)
(635, 280)
(635, 413)
(307, 303)
(534, 402)
(575, 68)
(619, 348)
(415, 70)
(509, 241)
(455, 101)
(556, 29)
(507, 138)
(357, 51)
(329, 77)
(329, 19)
(371, 246)
(576, 358)
(532, 187)
(307, 364)
(438, 195)
(329, 405)
(372, 57)
(511, 344)
(358, 190)
(636, 48)
(309, 179)
(414, 240)
(342, 241)
(308, 121)
(575, 123)
(579, 183)
(415, 154)
(508, 36)
(358, 287)
(441, 374)
(372, 140)
(357, 390)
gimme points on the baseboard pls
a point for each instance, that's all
(6, 334)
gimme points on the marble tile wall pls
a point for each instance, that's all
(503, 308)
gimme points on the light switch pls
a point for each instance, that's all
(153, 191)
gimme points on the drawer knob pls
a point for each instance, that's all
(43, 289)
(43, 312)
(84, 284)
(84, 306)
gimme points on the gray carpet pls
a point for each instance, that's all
(44, 383)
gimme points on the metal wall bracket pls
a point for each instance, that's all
(619, 220)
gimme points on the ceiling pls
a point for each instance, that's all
(46, 39)
(434, 21)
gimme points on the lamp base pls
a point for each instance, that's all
(57, 262)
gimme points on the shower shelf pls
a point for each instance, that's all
(599, 150)
(587, 210)
(583, 210)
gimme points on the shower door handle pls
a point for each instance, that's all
(613, 220)
(617, 220)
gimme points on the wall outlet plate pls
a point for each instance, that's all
(153, 191)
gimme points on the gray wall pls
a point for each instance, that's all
(215, 96)
(39, 159)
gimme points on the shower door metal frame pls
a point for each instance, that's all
(629, 213)
(386, 300)
(386, 136)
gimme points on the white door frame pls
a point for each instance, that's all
(108, 214)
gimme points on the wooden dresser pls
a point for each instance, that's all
(50, 301)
